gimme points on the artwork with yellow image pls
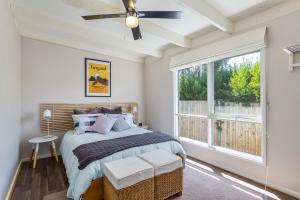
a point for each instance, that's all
(97, 78)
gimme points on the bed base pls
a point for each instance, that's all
(95, 191)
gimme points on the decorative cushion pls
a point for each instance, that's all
(120, 125)
(117, 110)
(103, 124)
(128, 117)
(162, 161)
(81, 112)
(126, 172)
(83, 122)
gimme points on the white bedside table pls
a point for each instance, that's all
(35, 147)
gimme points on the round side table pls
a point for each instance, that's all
(35, 147)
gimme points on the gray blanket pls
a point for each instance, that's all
(87, 153)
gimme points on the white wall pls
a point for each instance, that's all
(283, 114)
(55, 74)
(284, 97)
(159, 96)
(10, 94)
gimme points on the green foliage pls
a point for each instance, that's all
(255, 81)
(222, 75)
(245, 83)
(240, 84)
(219, 124)
(193, 84)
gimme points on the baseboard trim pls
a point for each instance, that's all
(270, 184)
(13, 182)
(285, 190)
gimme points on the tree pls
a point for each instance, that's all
(245, 83)
(222, 74)
(237, 83)
(193, 84)
(255, 81)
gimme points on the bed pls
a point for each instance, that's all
(87, 183)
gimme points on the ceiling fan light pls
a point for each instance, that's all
(132, 21)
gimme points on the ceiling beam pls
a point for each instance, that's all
(28, 32)
(65, 30)
(210, 13)
(258, 20)
(147, 26)
(166, 34)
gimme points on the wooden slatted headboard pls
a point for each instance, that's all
(62, 121)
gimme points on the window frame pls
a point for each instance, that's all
(211, 113)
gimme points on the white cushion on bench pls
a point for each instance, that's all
(127, 172)
(162, 161)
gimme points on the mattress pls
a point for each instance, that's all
(80, 180)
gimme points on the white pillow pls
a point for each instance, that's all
(128, 117)
(103, 124)
(82, 123)
(120, 125)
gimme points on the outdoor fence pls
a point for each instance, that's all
(236, 126)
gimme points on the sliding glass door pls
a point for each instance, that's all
(192, 103)
(219, 103)
(238, 119)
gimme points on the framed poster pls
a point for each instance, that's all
(97, 78)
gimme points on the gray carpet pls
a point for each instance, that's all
(204, 183)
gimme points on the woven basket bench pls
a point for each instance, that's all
(168, 173)
(128, 179)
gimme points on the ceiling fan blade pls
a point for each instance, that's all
(160, 14)
(129, 5)
(104, 16)
(136, 32)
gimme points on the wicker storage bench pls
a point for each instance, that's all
(168, 175)
(128, 179)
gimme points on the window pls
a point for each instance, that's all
(192, 104)
(219, 103)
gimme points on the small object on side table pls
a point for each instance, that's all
(47, 116)
(144, 126)
(35, 147)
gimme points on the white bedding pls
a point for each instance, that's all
(80, 180)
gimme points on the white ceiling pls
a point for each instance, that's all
(232, 7)
(60, 21)
(183, 26)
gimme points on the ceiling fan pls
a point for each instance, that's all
(132, 16)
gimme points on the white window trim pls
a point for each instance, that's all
(263, 102)
(261, 160)
(210, 100)
(175, 102)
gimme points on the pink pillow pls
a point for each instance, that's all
(102, 124)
